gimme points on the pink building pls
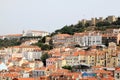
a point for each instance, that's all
(51, 61)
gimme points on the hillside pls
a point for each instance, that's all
(79, 27)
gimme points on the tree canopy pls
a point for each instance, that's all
(67, 67)
(71, 29)
(99, 24)
(9, 42)
(44, 57)
(43, 46)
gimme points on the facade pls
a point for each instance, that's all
(118, 59)
(94, 21)
(107, 38)
(72, 60)
(111, 55)
(35, 64)
(61, 40)
(33, 33)
(91, 59)
(88, 39)
(33, 55)
(77, 58)
(22, 49)
(111, 19)
(39, 72)
(51, 61)
(117, 74)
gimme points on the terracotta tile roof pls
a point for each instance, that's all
(9, 35)
(52, 59)
(102, 71)
(62, 71)
(65, 35)
(109, 78)
(44, 78)
(81, 52)
(81, 34)
(89, 78)
(51, 67)
(74, 74)
(28, 69)
(22, 46)
(97, 67)
(13, 74)
(117, 69)
(41, 68)
(109, 35)
(15, 69)
(61, 36)
(26, 78)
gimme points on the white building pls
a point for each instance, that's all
(22, 49)
(39, 72)
(87, 39)
(32, 33)
(32, 55)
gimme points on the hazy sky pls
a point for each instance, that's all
(49, 15)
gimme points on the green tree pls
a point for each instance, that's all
(44, 57)
(87, 24)
(9, 42)
(117, 22)
(99, 24)
(66, 30)
(43, 39)
(45, 47)
(67, 67)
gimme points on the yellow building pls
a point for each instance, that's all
(91, 59)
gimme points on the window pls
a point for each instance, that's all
(117, 73)
(117, 77)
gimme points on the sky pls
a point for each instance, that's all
(49, 15)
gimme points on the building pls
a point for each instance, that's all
(22, 49)
(61, 40)
(51, 61)
(88, 39)
(39, 72)
(107, 38)
(33, 33)
(32, 55)
(111, 19)
(117, 74)
(77, 58)
(94, 21)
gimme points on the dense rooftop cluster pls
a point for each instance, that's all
(88, 55)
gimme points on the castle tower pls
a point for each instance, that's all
(93, 21)
(83, 21)
(111, 19)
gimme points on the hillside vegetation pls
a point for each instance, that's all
(9, 42)
(79, 27)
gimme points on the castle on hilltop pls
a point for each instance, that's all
(94, 21)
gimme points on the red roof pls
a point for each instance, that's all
(26, 79)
